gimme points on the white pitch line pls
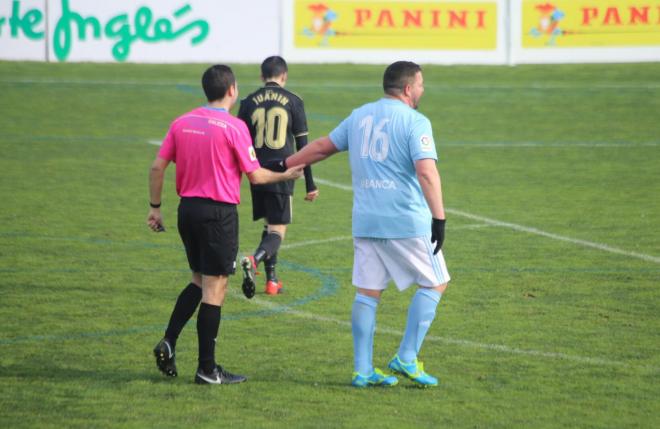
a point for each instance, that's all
(527, 229)
(514, 144)
(549, 145)
(459, 342)
(353, 85)
(495, 222)
(311, 242)
(334, 184)
(536, 231)
(350, 237)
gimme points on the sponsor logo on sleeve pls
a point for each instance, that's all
(253, 155)
(426, 143)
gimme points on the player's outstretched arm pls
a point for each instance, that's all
(316, 151)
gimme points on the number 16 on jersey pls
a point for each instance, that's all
(375, 141)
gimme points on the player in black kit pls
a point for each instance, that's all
(276, 120)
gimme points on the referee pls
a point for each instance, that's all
(211, 149)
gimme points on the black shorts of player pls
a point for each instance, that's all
(209, 231)
(274, 207)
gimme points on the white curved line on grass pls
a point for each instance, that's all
(527, 229)
(462, 343)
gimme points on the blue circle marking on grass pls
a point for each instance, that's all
(329, 287)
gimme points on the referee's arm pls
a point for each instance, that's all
(156, 178)
(262, 176)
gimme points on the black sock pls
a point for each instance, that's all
(208, 324)
(184, 308)
(269, 246)
(260, 253)
(269, 264)
(271, 260)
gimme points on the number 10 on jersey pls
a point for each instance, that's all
(270, 127)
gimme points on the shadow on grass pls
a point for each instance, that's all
(39, 370)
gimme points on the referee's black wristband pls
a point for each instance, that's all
(154, 206)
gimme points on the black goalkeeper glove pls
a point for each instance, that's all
(277, 165)
(437, 234)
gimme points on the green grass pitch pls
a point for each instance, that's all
(551, 177)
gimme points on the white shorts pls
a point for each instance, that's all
(405, 261)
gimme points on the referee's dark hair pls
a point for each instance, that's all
(398, 75)
(216, 80)
(273, 67)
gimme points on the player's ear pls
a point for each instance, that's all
(232, 91)
(407, 90)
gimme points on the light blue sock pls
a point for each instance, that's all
(363, 322)
(420, 315)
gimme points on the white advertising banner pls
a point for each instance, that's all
(163, 31)
(23, 30)
(382, 31)
(317, 31)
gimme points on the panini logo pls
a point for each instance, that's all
(394, 24)
(584, 23)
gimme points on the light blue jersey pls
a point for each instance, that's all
(384, 139)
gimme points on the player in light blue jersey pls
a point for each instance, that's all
(398, 215)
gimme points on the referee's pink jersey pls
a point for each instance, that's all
(211, 148)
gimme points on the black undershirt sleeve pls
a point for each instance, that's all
(301, 142)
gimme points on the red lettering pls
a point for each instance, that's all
(436, 18)
(612, 13)
(588, 13)
(454, 19)
(385, 15)
(362, 15)
(409, 18)
(480, 19)
(639, 16)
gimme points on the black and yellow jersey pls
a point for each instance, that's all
(275, 118)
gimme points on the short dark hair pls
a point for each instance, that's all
(216, 81)
(398, 75)
(273, 67)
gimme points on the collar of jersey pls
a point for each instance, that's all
(271, 83)
(217, 109)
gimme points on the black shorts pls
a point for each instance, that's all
(274, 207)
(209, 231)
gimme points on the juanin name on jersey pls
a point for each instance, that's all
(269, 95)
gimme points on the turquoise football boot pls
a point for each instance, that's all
(377, 378)
(414, 371)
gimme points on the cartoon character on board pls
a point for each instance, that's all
(548, 23)
(321, 25)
